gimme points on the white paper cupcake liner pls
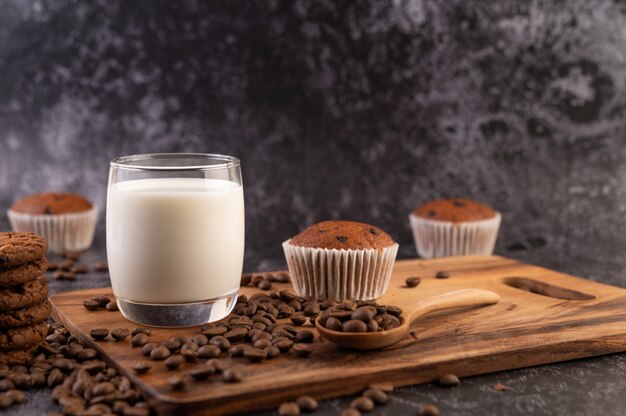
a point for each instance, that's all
(340, 274)
(444, 238)
(64, 232)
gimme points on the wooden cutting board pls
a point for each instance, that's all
(543, 317)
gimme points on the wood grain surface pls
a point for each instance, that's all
(543, 317)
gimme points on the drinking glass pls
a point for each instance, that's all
(175, 237)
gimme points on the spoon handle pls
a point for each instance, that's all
(455, 299)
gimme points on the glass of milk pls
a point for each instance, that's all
(175, 237)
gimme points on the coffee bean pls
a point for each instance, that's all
(500, 387)
(341, 315)
(189, 355)
(52, 266)
(305, 335)
(220, 366)
(55, 377)
(200, 340)
(211, 332)
(236, 334)
(71, 255)
(298, 319)
(136, 331)
(302, 350)
(376, 395)
(142, 367)
(272, 351)
(159, 354)
(413, 281)
(120, 334)
(221, 342)
(102, 300)
(350, 412)
(64, 275)
(231, 376)
(202, 373)
(171, 344)
(139, 340)
(428, 410)
(5, 401)
(91, 305)
(307, 403)
(363, 404)
(448, 380)
(245, 279)
(388, 321)
(174, 362)
(288, 409)
(262, 343)
(442, 275)
(56, 338)
(238, 350)
(112, 306)
(177, 382)
(79, 269)
(208, 351)
(23, 381)
(66, 265)
(101, 266)
(284, 345)
(394, 310)
(364, 313)
(6, 385)
(334, 324)
(18, 396)
(282, 277)
(99, 334)
(312, 309)
(265, 285)
(101, 389)
(147, 348)
(254, 355)
(354, 325)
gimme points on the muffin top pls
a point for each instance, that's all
(455, 210)
(347, 235)
(51, 203)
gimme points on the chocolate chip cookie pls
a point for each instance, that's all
(26, 336)
(25, 316)
(17, 357)
(20, 248)
(24, 273)
(20, 296)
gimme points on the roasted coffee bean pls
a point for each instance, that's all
(288, 409)
(265, 285)
(350, 412)
(189, 355)
(23, 381)
(254, 355)
(238, 350)
(79, 269)
(174, 362)
(302, 350)
(328, 303)
(442, 275)
(220, 366)
(52, 266)
(364, 313)
(56, 338)
(177, 382)
(64, 275)
(142, 367)
(147, 348)
(272, 351)
(221, 342)
(372, 326)
(214, 331)
(363, 404)
(284, 345)
(262, 343)
(120, 334)
(305, 335)
(112, 306)
(99, 334)
(18, 396)
(171, 344)
(376, 395)
(101, 389)
(6, 385)
(394, 310)
(341, 315)
(5, 401)
(385, 387)
(139, 340)
(236, 334)
(101, 266)
(91, 305)
(245, 280)
(208, 351)
(231, 376)
(202, 373)
(281, 277)
(334, 324)
(413, 281)
(71, 255)
(282, 332)
(159, 353)
(307, 403)
(388, 321)
(428, 410)
(66, 265)
(298, 319)
(200, 340)
(55, 377)
(311, 309)
(354, 325)
(102, 300)
(448, 380)
(136, 331)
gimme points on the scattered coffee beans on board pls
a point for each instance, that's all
(363, 316)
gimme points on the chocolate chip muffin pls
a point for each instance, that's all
(454, 227)
(341, 260)
(67, 220)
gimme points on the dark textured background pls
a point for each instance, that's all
(356, 110)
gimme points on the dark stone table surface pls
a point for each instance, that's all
(593, 386)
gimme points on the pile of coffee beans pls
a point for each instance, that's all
(100, 302)
(69, 268)
(361, 316)
(264, 281)
(81, 383)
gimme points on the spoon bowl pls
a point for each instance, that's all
(381, 339)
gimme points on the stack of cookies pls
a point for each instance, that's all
(24, 306)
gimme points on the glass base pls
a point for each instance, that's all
(176, 315)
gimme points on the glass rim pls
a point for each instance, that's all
(127, 162)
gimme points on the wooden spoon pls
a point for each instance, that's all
(380, 339)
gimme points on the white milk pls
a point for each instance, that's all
(175, 240)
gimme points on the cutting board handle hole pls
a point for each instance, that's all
(545, 289)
